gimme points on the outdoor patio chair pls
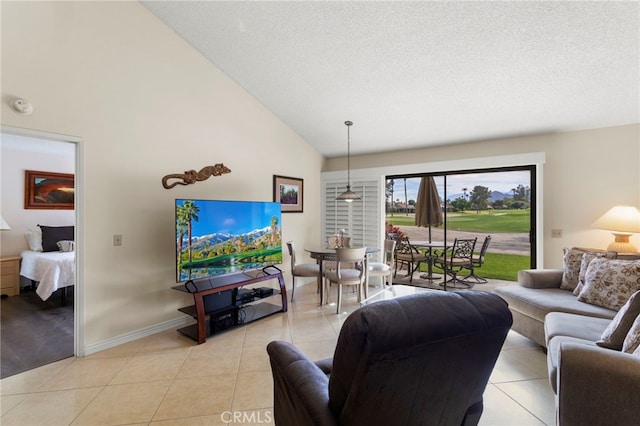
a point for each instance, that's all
(476, 262)
(408, 256)
(455, 259)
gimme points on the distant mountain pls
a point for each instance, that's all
(495, 195)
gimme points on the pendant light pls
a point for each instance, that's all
(348, 195)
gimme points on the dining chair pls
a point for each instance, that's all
(350, 270)
(477, 261)
(409, 256)
(457, 258)
(300, 269)
(384, 269)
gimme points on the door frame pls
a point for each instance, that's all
(78, 290)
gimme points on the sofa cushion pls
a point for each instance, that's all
(537, 303)
(610, 283)
(584, 265)
(579, 326)
(571, 261)
(553, 355)
(632, 341)
(613, 336)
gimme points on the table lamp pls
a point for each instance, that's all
(622, 221)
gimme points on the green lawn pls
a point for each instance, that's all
(497, 266)
(486, 221)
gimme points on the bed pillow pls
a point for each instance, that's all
(610, 283)
(52, 234)
(34, 238)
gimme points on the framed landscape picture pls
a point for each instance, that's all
(289, 192)
(47, 190)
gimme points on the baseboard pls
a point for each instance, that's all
(135, 335)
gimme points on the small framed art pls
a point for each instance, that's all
(47, 190)
(289, 192)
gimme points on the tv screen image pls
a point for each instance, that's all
(217, 237)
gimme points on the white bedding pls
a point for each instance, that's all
(53, 270)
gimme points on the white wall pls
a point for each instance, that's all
(145, 105)
(57, 157)
(584, 175)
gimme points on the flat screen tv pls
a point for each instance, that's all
(217, 237)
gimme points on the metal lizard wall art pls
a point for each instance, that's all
(191, 176)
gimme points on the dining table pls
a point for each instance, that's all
(323, 254)
(429, 245)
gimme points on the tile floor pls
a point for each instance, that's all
(167, 379)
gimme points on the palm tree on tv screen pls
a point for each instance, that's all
(190, 213)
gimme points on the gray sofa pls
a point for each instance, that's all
(595, 385)
(538, 293)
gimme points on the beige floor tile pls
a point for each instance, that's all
(212, 420)
(534, 395)
(85, 372)
(233, 337)
(515, 340)
(310, 330)
(253, 390)
(319, 349)
(9, 401)
(520, 364)
(170, 340)
(260, 333)
(500, 410)
(254, 358)
(211, 361)
(148, 367)
(126, 349)
(31, 380)
(197, 396)
(123, 404)
(50, 408)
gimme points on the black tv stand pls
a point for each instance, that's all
(238, 312)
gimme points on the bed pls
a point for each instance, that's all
(52, 270)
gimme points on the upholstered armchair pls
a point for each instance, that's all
(420, 359)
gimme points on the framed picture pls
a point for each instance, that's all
(288, 191)
(46, 190)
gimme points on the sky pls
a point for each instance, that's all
(233, 217)
(496, 181)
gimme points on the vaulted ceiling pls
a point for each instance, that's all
(417, 74)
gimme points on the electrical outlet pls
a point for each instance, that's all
(117, 240)
(556, 233)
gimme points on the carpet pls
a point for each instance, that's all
(34, 332)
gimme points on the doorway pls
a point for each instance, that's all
(51, 331)
(500, 202)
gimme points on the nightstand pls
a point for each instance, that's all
(10, 279)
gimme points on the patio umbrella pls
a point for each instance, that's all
(428, 211)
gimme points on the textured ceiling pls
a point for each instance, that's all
(415, 74)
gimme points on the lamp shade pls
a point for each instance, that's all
(622, 221)
(620, 218)
(4, 224)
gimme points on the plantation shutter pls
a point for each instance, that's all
(361, 219)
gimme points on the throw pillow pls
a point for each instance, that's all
(586, 259)
(52, 234)
(632, 341)
(65, 245)
(571, 261)
(34, 239)
(610, 283)
(614, 335)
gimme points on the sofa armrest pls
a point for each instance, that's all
(301, 388)
(597, 386)
(540, 278)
